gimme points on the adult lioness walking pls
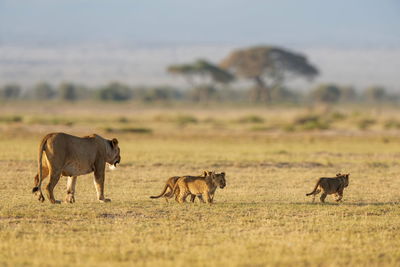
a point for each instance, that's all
(72, 156)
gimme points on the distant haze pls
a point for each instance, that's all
(92, 42)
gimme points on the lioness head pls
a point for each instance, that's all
(218, 178)
(113, 156)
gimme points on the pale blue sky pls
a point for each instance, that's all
(283, 22)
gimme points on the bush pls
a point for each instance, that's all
(391, 124)
(365, 124)
(186, 119)
(128, 130)
(251, 119)
(311, 122)
(10, 118)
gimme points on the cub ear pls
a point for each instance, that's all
(338, 174)
(223, 173)
(205, 173)
(114, 142)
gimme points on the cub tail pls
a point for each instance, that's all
(162, 193)
(315, 191)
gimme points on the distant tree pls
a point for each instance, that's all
(163, 93)
(348, 94)
(283, 94)
(43, 91)
(203, 76)
(115, 91)
(375, 94)
(10, 91)
(326, 93)
(268, 67)
(68, 91)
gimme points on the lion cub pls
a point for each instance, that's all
(199, 186)
(167, 191)
(331, 185)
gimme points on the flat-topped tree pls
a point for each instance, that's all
(203, 76)
(268, 67)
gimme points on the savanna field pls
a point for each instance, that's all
(272, 157)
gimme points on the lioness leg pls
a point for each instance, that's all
(71, 182)
(192, 197)
(323, 196)
(54, 177)
(99, 184)
(45, 173)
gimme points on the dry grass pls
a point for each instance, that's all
(261, 218)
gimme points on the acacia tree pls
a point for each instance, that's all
(269, 67)
(203, 76)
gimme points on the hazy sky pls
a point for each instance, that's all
(287, 22)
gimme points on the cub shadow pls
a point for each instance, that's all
(361, 204)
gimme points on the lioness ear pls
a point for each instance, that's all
(205, 173)
(114, 142)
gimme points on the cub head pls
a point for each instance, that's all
(218, 178)
(113, 154)
(346, 178)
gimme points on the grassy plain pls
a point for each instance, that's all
(272, 157)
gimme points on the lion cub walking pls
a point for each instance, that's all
(199, 186)
(167, 191)
(333, 185)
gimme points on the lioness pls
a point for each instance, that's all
(72, 156)
(331, 185)
(200, 186)
(167, 191)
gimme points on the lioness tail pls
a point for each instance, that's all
(41, 149)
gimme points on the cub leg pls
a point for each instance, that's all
(315, 193)
(208, 197)
(181, 198)
(201, 199)
(192, 197)
(323, 196)
(340, 195)
(71, 182)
